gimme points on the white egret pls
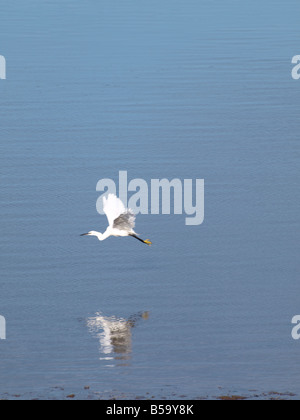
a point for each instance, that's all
(121, 220)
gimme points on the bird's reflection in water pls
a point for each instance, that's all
(114, 335)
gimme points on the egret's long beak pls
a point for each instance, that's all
(85, 234)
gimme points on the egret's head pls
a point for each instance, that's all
(92, 233)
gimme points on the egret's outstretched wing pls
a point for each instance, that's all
(125, 221)
(113, 208)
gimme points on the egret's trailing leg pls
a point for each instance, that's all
(147, 242)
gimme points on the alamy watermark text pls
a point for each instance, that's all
(2, 328)
(296, 69)
(296, 329)
(161, 196)
(2, 67)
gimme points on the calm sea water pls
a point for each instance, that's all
(173, 89)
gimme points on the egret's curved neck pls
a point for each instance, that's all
(102, 236)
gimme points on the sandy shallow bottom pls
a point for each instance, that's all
(59, 393)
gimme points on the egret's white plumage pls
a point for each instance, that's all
(121, 220)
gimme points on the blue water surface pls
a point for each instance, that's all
(192, 89)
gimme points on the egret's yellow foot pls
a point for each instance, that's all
(148, 242)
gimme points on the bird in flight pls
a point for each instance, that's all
(121, 221)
